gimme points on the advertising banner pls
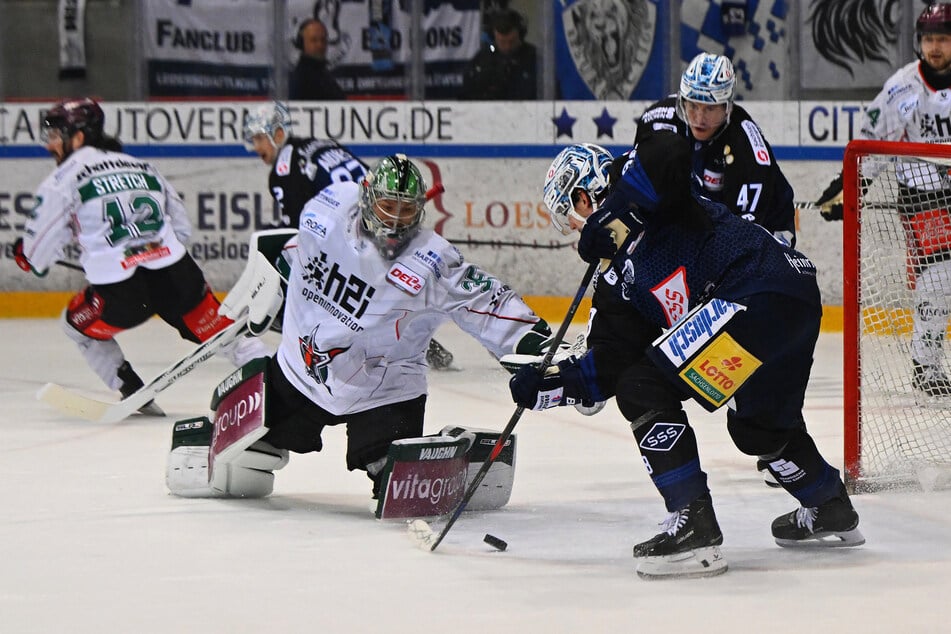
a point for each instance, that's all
(369, 43)
(208, 47)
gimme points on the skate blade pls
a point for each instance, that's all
(826, 539)
(701, 562)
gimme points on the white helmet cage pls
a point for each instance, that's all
(709, 79)
(266, 119)
(583, 166)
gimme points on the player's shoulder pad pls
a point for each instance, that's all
(331, 205)
(282, 164)
(752, 136)
(434, 253)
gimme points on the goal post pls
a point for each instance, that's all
(897, 225)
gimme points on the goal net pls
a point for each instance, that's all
(897, 275)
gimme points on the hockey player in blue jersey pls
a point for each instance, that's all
(740, 313)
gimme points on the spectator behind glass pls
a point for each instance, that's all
(506, 69)
(311, 80)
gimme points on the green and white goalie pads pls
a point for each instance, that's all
(226, 457)
(427, 477)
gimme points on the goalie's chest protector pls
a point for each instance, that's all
(348, 309)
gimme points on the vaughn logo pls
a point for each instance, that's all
(437, 453)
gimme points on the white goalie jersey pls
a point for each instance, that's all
(353, 316)
(119, 209)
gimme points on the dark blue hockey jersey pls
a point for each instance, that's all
(737, 167)
(665, 269)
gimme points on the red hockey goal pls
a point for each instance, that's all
(896, 225)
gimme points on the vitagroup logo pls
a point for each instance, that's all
(719, 371)
(697, 329)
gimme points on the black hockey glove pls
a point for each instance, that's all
(596, 243)
(830, 203)
(560, 384)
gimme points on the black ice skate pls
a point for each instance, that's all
(831, 524)
(438, 357)
(688, 546)
(931, 380)
(131, 383)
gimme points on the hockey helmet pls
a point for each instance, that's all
(266, 119)
(936, 18)
(71, 116)
(709, 79)
(583, 166)
(391, 204)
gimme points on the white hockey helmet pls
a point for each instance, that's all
(267, 119)
(709, 79)
(584, 166)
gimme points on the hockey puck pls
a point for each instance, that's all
(495, 542)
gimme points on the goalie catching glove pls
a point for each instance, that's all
(532, 348)
(561, 384)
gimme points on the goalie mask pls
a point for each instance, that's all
(709, 79)
(584, 166)
(391, 204)
(265, 121)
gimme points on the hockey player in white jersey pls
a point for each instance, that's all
(913, 106)
(367, 287)
(132, 228)
(302, 166)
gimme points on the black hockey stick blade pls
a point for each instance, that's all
(513, 421)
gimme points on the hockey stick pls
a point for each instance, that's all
(92, 409)
(420, 529)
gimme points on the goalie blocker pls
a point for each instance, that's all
(425, 477)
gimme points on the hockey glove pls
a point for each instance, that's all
(532, 348)
(830, 203)
(596, 243)
(20, 257)
(560, 384)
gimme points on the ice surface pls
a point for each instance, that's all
(91, 541)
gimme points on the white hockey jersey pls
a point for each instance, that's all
(908, 109)
(120, 210)
(357, 326)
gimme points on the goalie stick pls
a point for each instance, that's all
(419, 529)
(93, 409)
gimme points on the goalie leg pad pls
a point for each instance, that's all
(496, 487)
(237, 463)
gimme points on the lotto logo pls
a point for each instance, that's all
(719, 370)
(732, 364)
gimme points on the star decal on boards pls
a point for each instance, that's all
(563, 124)
(605, 123)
